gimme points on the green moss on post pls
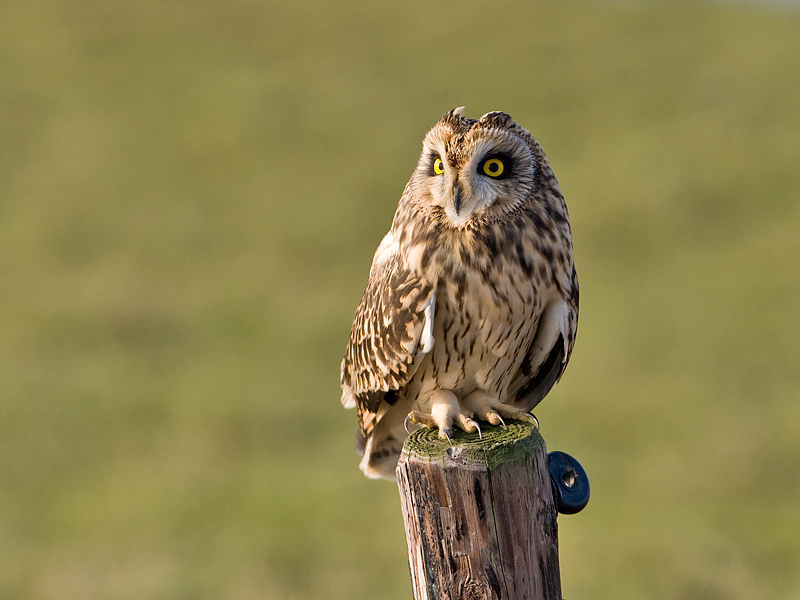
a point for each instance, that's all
(495, 445)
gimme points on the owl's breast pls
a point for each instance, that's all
(492, 286)
(484, 324)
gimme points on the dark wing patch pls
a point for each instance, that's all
(541, 382)
(530, 386)
(383, 351)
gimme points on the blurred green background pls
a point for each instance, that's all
(190, 195)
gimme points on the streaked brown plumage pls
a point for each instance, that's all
(471, 307)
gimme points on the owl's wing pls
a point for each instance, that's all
(392, 330)
(549, 353)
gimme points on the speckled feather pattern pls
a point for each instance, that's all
(499, 284)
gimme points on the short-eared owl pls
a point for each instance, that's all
(471, 307)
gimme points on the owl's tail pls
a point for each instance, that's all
(382, 446)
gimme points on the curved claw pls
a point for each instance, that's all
(522, 415)
(478, 427)
(446, 434)
(468, 424)
(495, 419)
(406, 421)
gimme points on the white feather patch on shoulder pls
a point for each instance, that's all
(426, 339)
(385, 250)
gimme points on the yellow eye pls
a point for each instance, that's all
(438, 166)
(493, 167)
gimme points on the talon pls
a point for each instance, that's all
(420, 419)
(478, 427)
(467, 424)
(406, 421)
(528, 418)
(495, 419)
(445, 433)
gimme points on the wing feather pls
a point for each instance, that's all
(391, 331)
(550, 350)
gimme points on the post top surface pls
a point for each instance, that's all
(494, 446)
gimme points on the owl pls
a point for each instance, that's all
(471, 307)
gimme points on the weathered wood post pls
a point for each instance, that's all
(480, 516)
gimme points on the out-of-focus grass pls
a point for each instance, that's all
(190, 194)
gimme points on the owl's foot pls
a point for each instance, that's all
(446, 413)
(487, 407)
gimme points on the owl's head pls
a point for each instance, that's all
(476, 169)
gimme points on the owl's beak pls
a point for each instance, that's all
(460, 208)
(457, 198)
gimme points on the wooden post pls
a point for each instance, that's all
(480, 516)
